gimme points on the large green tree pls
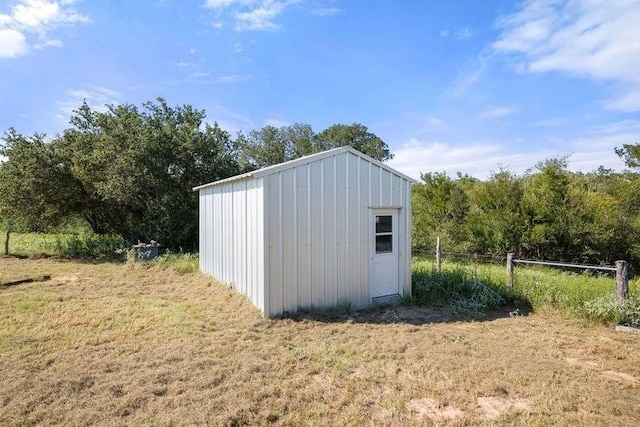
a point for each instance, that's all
(33, 185)
(630, 154)
(271, 145)
(440, 205)
(356, 136)
(126, 170)
(496, 221)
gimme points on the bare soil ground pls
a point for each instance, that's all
(124, 344)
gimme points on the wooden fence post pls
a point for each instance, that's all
(509, 270)
(622, 280)
(6, 242)
(438, 255)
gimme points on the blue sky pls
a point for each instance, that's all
(451, 86)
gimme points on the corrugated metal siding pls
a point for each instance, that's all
(232, 236)
(317, 218)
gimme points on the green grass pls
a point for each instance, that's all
(34, 243)
(181, 262)
(465, 289)
(476, 286)
(88, 245)
(70, 245)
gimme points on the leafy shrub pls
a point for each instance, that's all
(183, 262)
(610, 309)
(91, 246)
(458, 289)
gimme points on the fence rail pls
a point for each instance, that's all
(564, 264)
(621, 269)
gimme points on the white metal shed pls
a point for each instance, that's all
(322, 230)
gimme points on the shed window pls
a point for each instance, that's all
(384, 234)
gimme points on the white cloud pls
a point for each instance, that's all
(254, 15)
(586, 153)
(260, 18)
(497, 112)
(229, 120)
(217, 4)
(467, 79)
(205, 78)
(97, 97)
(463, 34)
(185, 64)
(35, 19)
(276, 123)
(585, 38)
(621, 126)
(12, 43)
(459, 34)
(198, 75)
(476, 159)
(552, 122)
(434, 121)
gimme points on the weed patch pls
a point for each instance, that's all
(471, 290)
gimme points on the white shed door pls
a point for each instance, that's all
(384, 257)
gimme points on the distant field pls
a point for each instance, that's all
(35, 243)
(134, 344)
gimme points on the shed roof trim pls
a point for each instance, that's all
(303, 161)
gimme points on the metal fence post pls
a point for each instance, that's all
(438, 255)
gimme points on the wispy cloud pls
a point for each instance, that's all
(228, 119)
(205, 77)
(277, 123)
(588, 39)
(586, 152)
(28, 23)
(259, 15)
(467, 78)
(551, 122)
(497, 112)
(434, 121)
(459, 34)
(248, 15)
(98, 97)
(185, 64)
(326, 11)
(261, 18)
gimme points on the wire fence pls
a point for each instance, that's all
(621, 268)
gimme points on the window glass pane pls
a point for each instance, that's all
(383, 224)
(383, 244)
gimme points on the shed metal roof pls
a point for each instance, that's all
(302, 161)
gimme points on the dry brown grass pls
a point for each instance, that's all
(122, 344)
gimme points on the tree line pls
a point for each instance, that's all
(548, 212)
(130, 170)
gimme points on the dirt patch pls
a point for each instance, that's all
(619, 376)
(426, 407)
(612, 375)
(422, 314)
(493, 407)
(66, 278)
(587, 364)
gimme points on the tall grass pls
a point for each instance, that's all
(70, 245)
(182, 262)
(582, 294)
